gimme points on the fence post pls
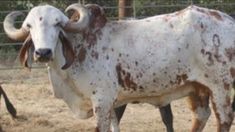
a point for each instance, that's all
(124, 8)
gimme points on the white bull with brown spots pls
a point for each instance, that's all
(96, 65)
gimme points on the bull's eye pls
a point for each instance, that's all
(57, 24)
(28, 25)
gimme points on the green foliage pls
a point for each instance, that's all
(152, 7)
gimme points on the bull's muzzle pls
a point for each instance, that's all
(43, 55)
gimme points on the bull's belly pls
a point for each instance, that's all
(159, 97)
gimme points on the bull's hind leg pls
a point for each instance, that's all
(119, 112)
(167, 117)
(222, 107)
(199, 104)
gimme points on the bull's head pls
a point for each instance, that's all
(43, 28)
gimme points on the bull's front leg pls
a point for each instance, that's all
(114, 122)
(103, 101)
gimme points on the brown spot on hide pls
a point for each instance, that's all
(136, 63)
(230, 53)
(95, 54)
(216, 43)
(232, 72)
(125, 79)
(187, 45)
(119, 75)
(181, 78)
(40, 18)
(97, 108)
(107, 57)
(129, 82)
(228, 101)
(216, 40)
(91, 39)
(104, 49)
(218, 57)
(206, 75)
(210, 59)
(216, 15)
(141, 87)
(82, 54)
(202, 26)
(226, 86)
(184, 77)
(178, 79)
(203, 51)
(123, 72)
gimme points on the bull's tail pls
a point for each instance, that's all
(233, 103)
(11, 109)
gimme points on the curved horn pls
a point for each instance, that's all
(11, 30)
(83, 21)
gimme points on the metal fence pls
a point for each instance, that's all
(139, 9)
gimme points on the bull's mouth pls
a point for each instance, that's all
(43, 59)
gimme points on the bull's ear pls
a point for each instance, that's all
(68, 52)
(26, 53)
(98, 18)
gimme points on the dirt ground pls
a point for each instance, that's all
(39, 111)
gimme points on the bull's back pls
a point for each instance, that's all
(155, 55)
(147, 54)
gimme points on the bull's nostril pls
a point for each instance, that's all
(43, 52)
(48, 52)
(37, 53)
(43, 55)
